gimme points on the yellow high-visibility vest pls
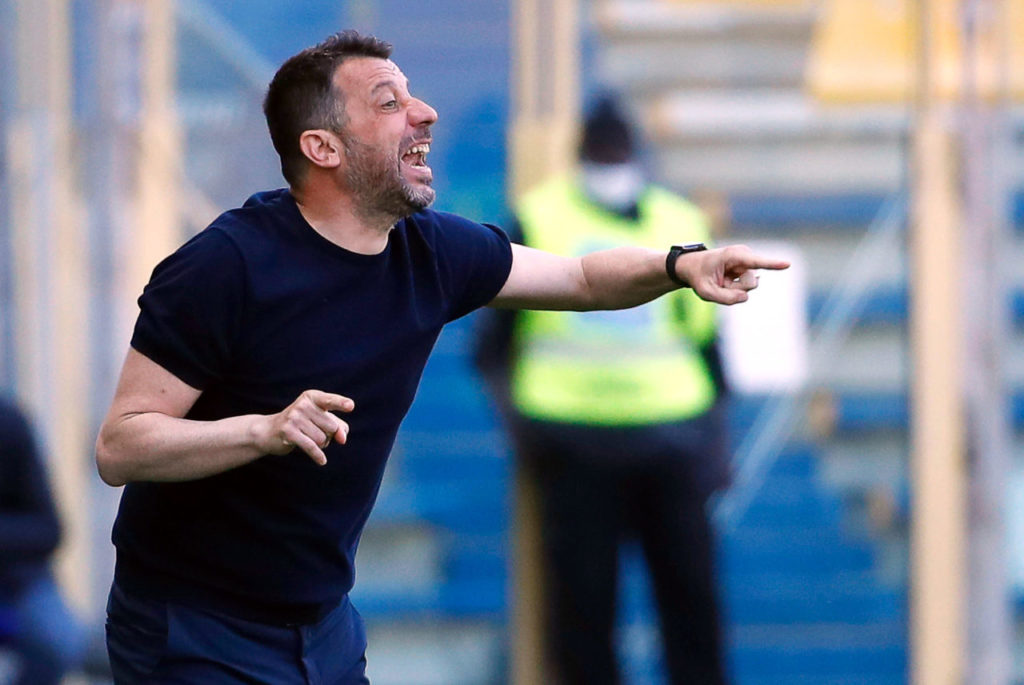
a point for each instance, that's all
(630, 367)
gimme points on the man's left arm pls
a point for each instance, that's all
(625, 277)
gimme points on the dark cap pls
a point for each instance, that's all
(607, 136)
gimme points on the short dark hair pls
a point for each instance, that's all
(301, 96)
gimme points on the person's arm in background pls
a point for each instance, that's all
(711, 352)
(698, 320)
(29, 527)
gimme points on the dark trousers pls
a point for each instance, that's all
(162, 643)
(596, 489)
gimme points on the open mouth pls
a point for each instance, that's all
(416, 156)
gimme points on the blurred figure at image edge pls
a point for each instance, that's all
(35, 622)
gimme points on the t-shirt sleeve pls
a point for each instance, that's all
(476, 260)
(191, 310)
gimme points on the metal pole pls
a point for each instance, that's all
(546, 90)
(545, 72)
(985, 200)
(133, 148)
(938, 578)
(155, 228)
(51, 283)
(7, 302)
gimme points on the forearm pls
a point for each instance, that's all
(623, 277)
(151, 446)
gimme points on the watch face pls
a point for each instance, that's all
(689, 247)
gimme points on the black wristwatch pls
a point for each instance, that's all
(673, 255)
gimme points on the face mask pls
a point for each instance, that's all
(616, 186)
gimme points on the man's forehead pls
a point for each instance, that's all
(368, 72)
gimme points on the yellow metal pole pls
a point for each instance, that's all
(152, 222)
(160, 156)
(51, 274)
(528, 662)
(545, 86)
(938, 468)
(545, 74)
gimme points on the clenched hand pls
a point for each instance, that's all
(307, 424)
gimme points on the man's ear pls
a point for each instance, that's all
(321, 147)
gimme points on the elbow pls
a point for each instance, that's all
(108, 462)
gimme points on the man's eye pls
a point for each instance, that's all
(391, 104)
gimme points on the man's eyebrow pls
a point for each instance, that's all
(388, 83)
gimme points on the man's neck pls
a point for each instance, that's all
(336, 217)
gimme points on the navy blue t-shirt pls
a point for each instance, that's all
(253, 311)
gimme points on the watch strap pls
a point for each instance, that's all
(674, 253)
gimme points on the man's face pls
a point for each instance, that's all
(386, 138)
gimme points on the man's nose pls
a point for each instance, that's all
(422, 114)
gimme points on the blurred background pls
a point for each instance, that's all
(875, 532)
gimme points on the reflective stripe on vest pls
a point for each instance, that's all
(630, 367)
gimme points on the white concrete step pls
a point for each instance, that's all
(399, 558)
(870, 360)
(864, 462)
(651, 65)
(775, 142)
(826, 256)
(755, 113)
(435, 653)
(829, 168)
(646, 19)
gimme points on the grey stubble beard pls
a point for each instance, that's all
(382, 195)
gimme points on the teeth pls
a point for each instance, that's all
(420, 149)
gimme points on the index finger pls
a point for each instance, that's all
(330, 401)
(754, 261)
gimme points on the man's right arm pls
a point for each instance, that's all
(145, 437)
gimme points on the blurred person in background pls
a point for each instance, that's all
(616, 418)
(246, 492)
(34, 620)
